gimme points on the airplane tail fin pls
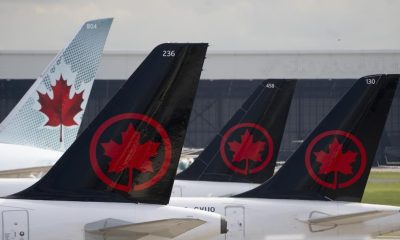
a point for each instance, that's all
(335, 160)
(130, 152)
(247, 147)
(50, 113)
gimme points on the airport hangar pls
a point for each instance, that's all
(227, 80)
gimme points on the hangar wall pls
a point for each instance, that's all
(238, 74)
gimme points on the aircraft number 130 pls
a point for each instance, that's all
(370, 81)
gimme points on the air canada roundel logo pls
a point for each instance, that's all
(130, 152)
(335, 159)
(246, 148)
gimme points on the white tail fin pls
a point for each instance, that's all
(50, 113)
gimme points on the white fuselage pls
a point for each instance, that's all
(253, 219)
(267, 219)
(57, 220)
(15, 157)
(184, 188)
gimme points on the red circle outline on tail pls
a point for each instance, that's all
(345, 184)
(229, 163)
(135, 116)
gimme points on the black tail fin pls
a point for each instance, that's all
(247, 147)
(334, 162)
(130, 152)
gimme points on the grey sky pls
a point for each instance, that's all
(225, 24)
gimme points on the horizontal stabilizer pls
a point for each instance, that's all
(33, 172)
(345, 219)
(114, 228)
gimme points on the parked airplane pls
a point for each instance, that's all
(245, 152)
(115, 179)
(46, 120)
(306, 198)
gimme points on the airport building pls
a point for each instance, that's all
(227, 80)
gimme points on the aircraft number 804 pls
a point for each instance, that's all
(91, 26)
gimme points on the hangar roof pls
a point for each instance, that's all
(226, 65)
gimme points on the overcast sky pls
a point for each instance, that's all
(237, 25)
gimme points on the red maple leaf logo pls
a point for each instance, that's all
(247, 149)
(335, 160)
(130, 153)
(61, 109)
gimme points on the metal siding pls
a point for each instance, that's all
(217, 101)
